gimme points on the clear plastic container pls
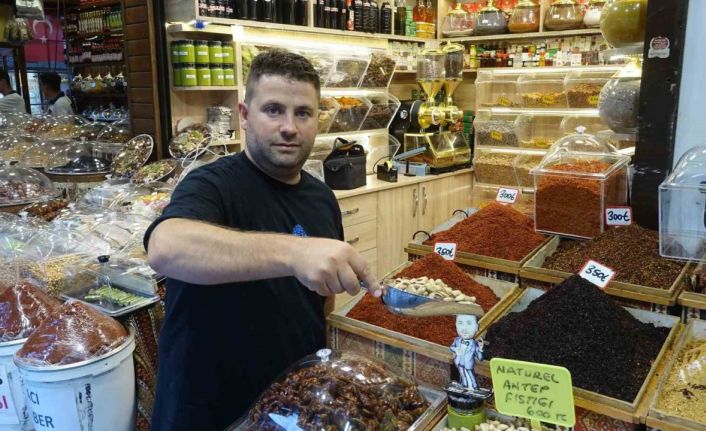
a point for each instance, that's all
(542, 90)
(623, 22)
(40, 154)
(348, 71)
(190, 141)
(578, 178)
(524, 18)
(563, 15)
(430, 66)
(118, 132)
(538, 131)
(592, 16)
(158, 171)
(584, 87)
(523, 165)
(496, 89)
(328, 107)
(135, 154)
(453, 61)
(495, 166)
(619, 100)
(682, 208)
(382, 111)
(350, 115)
(75, 159)
(64, 127)
(592, 124)
(13, 147)
(620, 141)
(90, 131)
(323, 63)
(21, 185)
(380, 70)
(495, 129)
(490, 20)
(458, 22)
(368, 395)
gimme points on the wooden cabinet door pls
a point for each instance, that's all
(461, 190)
(398, 219)
(434, 203)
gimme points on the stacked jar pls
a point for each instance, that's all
(202, 63)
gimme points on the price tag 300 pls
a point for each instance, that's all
(507, 196)
(618, 216)
(447, 250)
(596, 273)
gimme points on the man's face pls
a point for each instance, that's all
(280, 124)
(466, 326)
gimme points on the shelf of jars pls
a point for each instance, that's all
(520, 36)
(207, 88)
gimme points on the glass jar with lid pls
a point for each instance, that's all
(524, 18)
(592, 16)
(458, 22)
(619, 100)
(202, 55)
(21, 185)
(623, 22)
(187, 51)
(490, 20)
(76, 158)
(563, 15)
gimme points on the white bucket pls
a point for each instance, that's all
(93, 395)
(14, 412)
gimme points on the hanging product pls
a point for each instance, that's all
(623, 22)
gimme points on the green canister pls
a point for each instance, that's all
(215, 52)
(202, 55)
(228, 54)
(465, 411)
(176, 69)
(175, 52)
(203, 75)
(188, 75)
(228, 75)
(187, 52)
(217, 77)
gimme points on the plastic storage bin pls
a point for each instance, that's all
(682, 208)
(382, 111)
(494, 89)
(583, 87)
(348, 71)
(495, 166)
(537, 130)
(328, 107)
(350, 115)
(380, 70)
(620, 141)
(495, 129)
(542, 90)
(323, 63)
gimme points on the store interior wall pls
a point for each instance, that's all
(691, 126)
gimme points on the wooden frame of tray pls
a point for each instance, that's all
(656, 418)
(480, 261)
(532, 270)
(593, 401)
(339, 319)
(692, 300)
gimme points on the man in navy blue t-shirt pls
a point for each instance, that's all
(252, 247)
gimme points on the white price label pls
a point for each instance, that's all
(618, 216)
(576, 59)
(447, 250)
(53, 409)
(8, 411)
(507, 196)
(596, 273)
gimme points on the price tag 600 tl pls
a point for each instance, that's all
(596, 273)
(618, 216)
(447, 250)
(507, 196)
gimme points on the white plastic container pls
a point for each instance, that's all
(97, 394)
(14, 412)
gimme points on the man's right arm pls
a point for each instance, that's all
(202, 253)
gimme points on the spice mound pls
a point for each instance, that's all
(344, 394)
(684, 393)
(437, 329)
(496, 231)
(74, 332)
(631, 251)
(577, 326)
(22, 309)
(572, 204)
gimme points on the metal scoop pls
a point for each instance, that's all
(408, 304)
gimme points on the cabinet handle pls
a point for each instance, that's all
(415, 197)
(424, 201)
(350, 212)
(353, 241)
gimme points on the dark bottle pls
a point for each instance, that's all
(221, 8)
(253, 9)
(287, 11)
(211, 5)
(203, 8)
(374, 17)
(366, 21)
(230, 8)
(320, 13)
(277, 5)
(333, 14)
(327, 13)
(385, 17)
(342, 15)
(241, 9)
(358, 15)
(268, 11)
(400, 18)
(301, 8)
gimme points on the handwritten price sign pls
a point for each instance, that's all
(507, 196)
(447, 250)
(618, 216)
(596, 273)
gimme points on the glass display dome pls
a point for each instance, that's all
(77, 158)
(133, 156)
(619, 100)
(490, 20)
(20, 185)
(118, 132)
(14, 146)
(458, 22)
(39, 154)
(63, 127)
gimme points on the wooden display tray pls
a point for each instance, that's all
(532, 270)
(696, 329)
(692, 300)
(632, 412)
(77, 178)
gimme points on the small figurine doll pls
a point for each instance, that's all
(467, 350)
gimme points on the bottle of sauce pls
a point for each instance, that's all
(320, 13)
(301, 8)
(400, 17)
(419, 12)
(358, 15)
(350, 23)
(385, 17)
(366, 16)
(253, 9)
(374, 17)
(430, 16)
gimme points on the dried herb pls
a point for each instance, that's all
(584, 95)
(379, 71)
(577, 326)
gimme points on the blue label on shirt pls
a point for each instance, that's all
(299, 231)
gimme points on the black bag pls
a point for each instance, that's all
(344, 168)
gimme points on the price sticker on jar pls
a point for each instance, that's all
(447, 250)
(507, 196)
(597, 273)
(618, 216)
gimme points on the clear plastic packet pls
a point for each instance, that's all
(23, 307)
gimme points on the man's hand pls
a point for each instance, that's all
(329, 267)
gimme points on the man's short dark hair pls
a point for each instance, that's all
(51, 80)
(6, 76)
(280, 62)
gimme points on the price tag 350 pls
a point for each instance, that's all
(507, 196)
(597, 273)
(447, 250)
(618, 216)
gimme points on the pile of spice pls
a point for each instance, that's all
(23, 308)
(684, 393)
(632, 251)
(577, 326)
(571, 204)
(551, 99)
(496, 230)
(584, 95)
(437, 329)
(495, 167)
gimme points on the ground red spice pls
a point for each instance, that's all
(22, 309)
(496, 231)
(438, 329)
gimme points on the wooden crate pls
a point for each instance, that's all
(631, 412)
(532, 272)
(693, 304)
(660, 419)
(428, 362)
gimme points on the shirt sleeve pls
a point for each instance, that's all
(62, 107)
(197, 197)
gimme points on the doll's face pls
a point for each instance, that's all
(466, 326)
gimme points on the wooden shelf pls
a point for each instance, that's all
(116, 32)
(522, 36)
(207, 88)
(95, 4)
(100, 63)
